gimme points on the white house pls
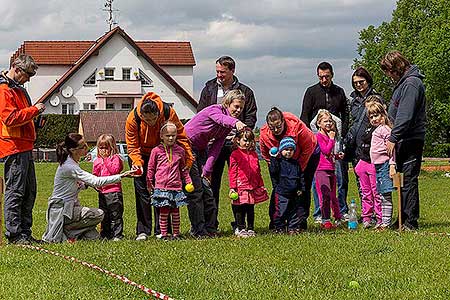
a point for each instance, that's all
(111, 73)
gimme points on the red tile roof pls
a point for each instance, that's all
(98, 45)
(96, 122)
(68, 52)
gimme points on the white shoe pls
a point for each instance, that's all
(116, 239)
(318, 220)
(141, 237)
(345, 217)
(251, 233)
(159, 236)
(241, 233)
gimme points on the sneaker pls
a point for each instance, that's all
(176, 237)
(32, 240)
(117, 239)
(293, 231)
(406, 227)
(377, 226)
(141, 237)
(20, 241)
(367, 224)
(346, 217)
(318, 220)
(241, 233)
(327, 225)
(279, 230)
(251, 232)
(338, 222)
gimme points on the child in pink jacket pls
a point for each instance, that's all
(246, 182)
(166, 170)
(110, 198)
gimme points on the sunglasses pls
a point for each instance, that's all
(359, 82)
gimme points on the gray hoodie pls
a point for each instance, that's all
(407, 108)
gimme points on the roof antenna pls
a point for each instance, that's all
(109, 8)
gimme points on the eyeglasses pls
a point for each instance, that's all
(30, 74)
(359, 82)
(84, 146)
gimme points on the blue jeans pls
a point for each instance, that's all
(342, 187)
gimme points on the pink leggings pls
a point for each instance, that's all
(326, 190)
(371, 200)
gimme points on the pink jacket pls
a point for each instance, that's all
(378, 153)
(108, 166)
(244, 172)
(165, 174)
(326, 162)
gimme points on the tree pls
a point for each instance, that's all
(420, 29)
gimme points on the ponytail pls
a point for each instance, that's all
(70, 142)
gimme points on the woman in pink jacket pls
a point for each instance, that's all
(166, 171)
(110, 197)
(246, 183)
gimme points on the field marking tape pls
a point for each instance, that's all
(122, 278)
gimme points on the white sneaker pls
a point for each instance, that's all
(241, 233)
(141, 237)
(159, 236)
(251, 233)
(116, 239)
(318, 220)
(345, 217)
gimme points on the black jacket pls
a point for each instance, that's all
(287, 177)
(363, 149)
(209, 97)
(332, 99)
(407, 108)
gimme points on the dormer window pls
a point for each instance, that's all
(90, 80)
(145, 80)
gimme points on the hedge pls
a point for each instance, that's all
(55, 129)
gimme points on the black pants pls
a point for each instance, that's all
(242, 211)
(305, 198)
(202, 206)
(409, 160)
(286, 212)
(20, 195)
(216, 178)
(112, 206)
(143, 203)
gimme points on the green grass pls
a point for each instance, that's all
(313, 265)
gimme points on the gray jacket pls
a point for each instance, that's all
(407, 107)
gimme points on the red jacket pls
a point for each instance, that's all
(244, 172)
(304, 138)
(16, 115)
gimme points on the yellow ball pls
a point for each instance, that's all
(353, 284)
(234, 196)
(189, 187)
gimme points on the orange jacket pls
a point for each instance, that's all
(304, 138)
(148, 138)
(16, 116)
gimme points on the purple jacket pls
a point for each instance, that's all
(212, 124)
(326, 162)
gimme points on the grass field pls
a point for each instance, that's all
(312, 265)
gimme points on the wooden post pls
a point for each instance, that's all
(398, 183)
(2, 190)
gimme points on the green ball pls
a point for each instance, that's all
(234, 196)
(353, 284)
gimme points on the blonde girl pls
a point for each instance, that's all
(110, 197)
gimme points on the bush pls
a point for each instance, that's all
(55, 129)
(437, 150)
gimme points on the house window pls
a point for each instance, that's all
(109, 106)
(90, 80)
(68, 108)
(109, 74)
(126, 73)
(126, 106)
(89, 106)
(145, 80)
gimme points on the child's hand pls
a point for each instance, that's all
(331, 134)
(136, 171)
(239, 126)
(340, 155)
(392, 171)
(102, 153)
(299, 193)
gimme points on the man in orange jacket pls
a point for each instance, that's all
(17, 138)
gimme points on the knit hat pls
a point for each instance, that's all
(287, 142)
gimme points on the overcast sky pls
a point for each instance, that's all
(276, 44)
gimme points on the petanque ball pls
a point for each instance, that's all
(273, 151)
(189, 187)
(234, 196)
(353, 284)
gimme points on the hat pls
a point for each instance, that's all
(287, 142)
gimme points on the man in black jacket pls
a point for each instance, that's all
(407, 112)
(329, 96)
(212, 93)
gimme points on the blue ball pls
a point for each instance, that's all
(274, 151)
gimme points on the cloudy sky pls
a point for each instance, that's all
(277, 44)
